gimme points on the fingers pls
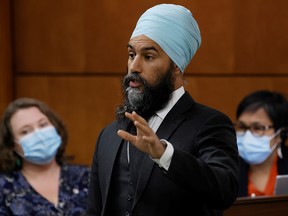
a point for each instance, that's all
(135, 117)
(143, 130)
(145, 140)
(129, 116)
(125, 135)
(139, 122)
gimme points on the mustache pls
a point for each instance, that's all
(133, 77)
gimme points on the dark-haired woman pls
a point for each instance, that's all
(261, 127)
(34, 179)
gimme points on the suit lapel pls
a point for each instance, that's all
(175, 117)
(169, 124)
(115, 142)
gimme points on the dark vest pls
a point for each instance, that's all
(123, 181)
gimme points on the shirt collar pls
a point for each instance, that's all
(176, 95)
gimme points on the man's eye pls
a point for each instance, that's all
(148, 57)
(131, 55)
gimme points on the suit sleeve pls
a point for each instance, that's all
(94, 206)
(210, 169)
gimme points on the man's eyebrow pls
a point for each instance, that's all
(144, 49)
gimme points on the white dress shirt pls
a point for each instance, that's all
(156, 120)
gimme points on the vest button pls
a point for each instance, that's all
(127, 213)
(129, 197)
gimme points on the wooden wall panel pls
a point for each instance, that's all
(49, 36)
(6, 90)
(91, 36)
(87, 104)
(261, 42)
(216, 21)
(225, 93)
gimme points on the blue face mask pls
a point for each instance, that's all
(40, 146)
(254, 149)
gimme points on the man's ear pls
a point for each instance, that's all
(177, 69)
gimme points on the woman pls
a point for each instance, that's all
(262, 119)
(34, 179)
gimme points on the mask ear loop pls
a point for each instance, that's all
(278, 146)
(279, 152)
(276, 133)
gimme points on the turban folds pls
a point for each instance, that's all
(174, 29)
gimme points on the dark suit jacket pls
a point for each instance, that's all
(202, 177)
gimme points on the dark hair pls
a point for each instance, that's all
(9, 160)
(275, 105)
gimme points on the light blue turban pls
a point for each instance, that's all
(174, 29)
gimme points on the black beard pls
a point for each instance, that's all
(147, 102)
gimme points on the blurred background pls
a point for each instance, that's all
(72, 55)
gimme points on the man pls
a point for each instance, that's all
(165, 154)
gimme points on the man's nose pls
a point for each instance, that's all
(135, 65)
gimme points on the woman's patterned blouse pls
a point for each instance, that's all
(17, 197)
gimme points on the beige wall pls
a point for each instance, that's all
(72, 54)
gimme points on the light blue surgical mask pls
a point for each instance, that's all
(255, 149)
(40, 146)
